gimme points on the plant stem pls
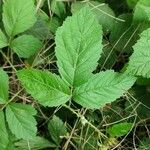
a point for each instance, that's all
(87, 122)
(8, 61)
(11, 99)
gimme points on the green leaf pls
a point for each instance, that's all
(121, 27)
(122, 32)
(58, 7)
(140, 60)
(102, 88)
(125, 34)
(4, 139)
(1, 9)
(3, 40)
(54, 23)
(131, 3)
(142, 11)
(40, 30)
(4, 86)
(26, 46)
(21, 121)
(102, 12)
(143, 81)
(78, 47)
(18, 16)
(142, 95)
(49, 89)
(144, 144)
(120, 129)
(57, 128)
(108, 57)
(36, 143)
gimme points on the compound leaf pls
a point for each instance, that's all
(78, 47)
(140, 60)
(4, 86)
(49, 89)
(18, 16)
(102, 88)
(21, 121)
(26, 46)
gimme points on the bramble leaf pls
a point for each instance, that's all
(78, 47)
(57, 128)
(102, 88)
(18, 16)
(49, 89)
(54, 23)
(58, 7)
(142, 11)
(3, 86)
(120, 129)
(140, 59)
(21, 121)
(103, 13)
(26, 45)
(40, 29)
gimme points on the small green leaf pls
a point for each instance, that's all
(4, 86)
(58, 7)
(57, 128)
(4, 139)
(26, 46)
(36, 143)
(140, 60)
(3, 40)
(18, 16)
(142, 11)
(49, 89)
(102, 88)
(78, 47)
(21, 121)
(120, 129)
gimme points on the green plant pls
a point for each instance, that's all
(18, 16)
(78, 90)
(77, 56)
